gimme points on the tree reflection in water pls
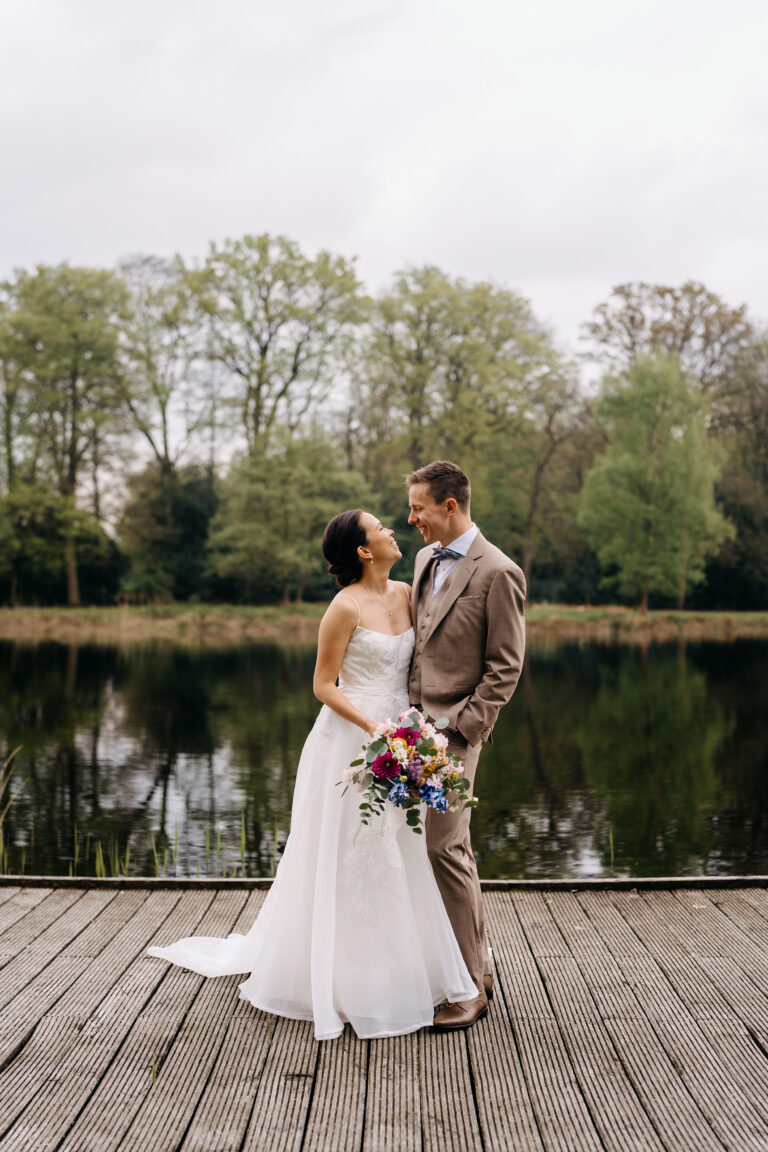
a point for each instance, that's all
(608, 759)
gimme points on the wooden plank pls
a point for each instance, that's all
(38, 917)
(220, 1122)
(34, 999)
(31, 959)
(221, 1119)
(620, 1022)
(562, 1116)
(735, 967)
(741, 911)
(337, 1113)
(110, 990)
(165, 1043)
(281, 1104)
(668, 1103)
(393, 1102)
(617, 1112)
(659, 979)
(505, 1112)
(444, 1059)
(17, 902)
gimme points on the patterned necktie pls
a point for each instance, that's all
(446, 554)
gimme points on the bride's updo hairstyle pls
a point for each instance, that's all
(341, 540)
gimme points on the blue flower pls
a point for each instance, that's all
(433, 797)
(398, 793)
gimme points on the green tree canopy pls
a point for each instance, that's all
(274, 507)
(275, 320)
(61, 330)
(648, 501)
(164, 531)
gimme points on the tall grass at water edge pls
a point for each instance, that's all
(91, 857)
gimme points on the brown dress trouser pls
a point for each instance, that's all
(450, 852)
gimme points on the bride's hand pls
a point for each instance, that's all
(370, 727)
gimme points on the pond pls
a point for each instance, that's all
(159, 760)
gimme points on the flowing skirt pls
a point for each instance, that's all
(353, 928)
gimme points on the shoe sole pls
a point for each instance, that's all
(460, 1027)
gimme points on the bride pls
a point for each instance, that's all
(353, 928)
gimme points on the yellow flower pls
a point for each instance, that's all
(399, 747)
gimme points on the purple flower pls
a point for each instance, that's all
(413, 769)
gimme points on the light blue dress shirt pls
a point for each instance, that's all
(461, 544)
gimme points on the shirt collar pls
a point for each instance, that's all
(463, 543)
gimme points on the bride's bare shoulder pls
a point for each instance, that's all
(343, 612)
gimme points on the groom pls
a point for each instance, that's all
(467, 610)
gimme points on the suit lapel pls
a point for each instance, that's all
(418, 576)
(459, 579)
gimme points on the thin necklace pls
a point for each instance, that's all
(383, 602)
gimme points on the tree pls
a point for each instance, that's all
(164, 531)
(168, 396)
(274, 507)
(275, 321)
(464, 370)
(738, 575)
(62, 335)
(443, 362)
(690, 322)
(648, 501)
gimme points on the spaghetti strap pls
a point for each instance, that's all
(349, 596)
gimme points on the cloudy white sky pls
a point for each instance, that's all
(557, 146)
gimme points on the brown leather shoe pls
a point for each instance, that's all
(488, 985)
(454, 1017)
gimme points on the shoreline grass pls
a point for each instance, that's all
(223, 625)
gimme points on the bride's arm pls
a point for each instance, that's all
(336, 629)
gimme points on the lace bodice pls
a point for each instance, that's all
(376, 663)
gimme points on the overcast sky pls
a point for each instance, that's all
(557, 146)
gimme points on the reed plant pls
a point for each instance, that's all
(6, 771)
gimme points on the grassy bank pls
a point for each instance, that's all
(626, 625)
(221, 625)
(211, 624)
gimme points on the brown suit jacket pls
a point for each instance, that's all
(471, 658)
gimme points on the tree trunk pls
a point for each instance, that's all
(644, 600)
(70, 560)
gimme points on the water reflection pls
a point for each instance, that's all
(608, 760)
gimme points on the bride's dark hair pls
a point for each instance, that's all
(341, 540)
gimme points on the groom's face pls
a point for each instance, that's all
(431, 519)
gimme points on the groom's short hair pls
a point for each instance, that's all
(445, 480)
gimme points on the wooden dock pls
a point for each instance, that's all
(622, 1020)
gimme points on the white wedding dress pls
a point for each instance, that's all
(353, 928)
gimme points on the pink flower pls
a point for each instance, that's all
(385, 767)
(441, 741)
(406, 734)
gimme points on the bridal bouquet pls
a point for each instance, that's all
(406, 764)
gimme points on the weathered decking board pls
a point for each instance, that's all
(622, 1021)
